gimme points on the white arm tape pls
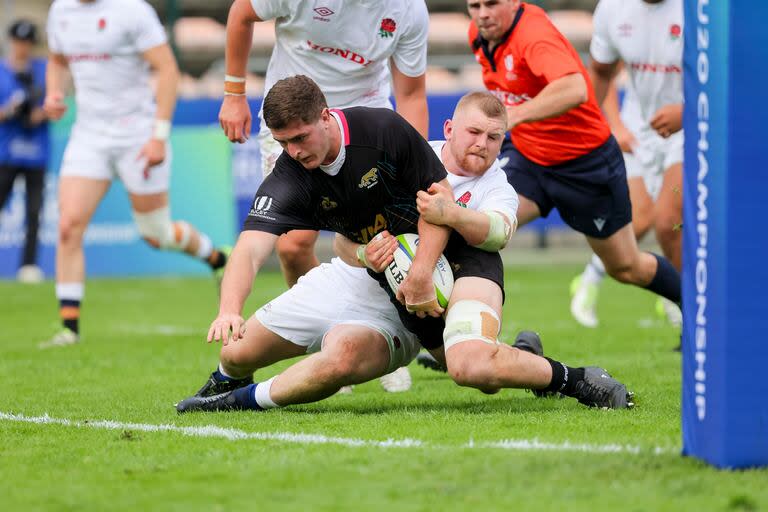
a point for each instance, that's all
(162, 129)
(499, 232)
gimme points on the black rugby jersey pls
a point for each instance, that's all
(386, 163)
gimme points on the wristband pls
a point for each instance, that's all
(162, 129)
(234, 85)
(360, 252)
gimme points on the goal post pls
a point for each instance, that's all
(725, 238)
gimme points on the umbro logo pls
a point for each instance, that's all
(322, 13)
(599, 223)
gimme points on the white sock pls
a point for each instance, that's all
(70, 291)
(262, 394)
(594, 272)
(205, 247)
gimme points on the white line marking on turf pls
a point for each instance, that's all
(231, 434)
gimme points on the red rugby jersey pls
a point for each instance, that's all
(533, 54)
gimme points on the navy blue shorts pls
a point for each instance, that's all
(590, 191)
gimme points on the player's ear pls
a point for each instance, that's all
(448, 129)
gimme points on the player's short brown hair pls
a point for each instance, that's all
(296, 98)
(488, 104)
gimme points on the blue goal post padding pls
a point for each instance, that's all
(725, 272)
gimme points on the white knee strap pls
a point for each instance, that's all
(157, 228)
(470, 320)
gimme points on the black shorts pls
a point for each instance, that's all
(466, 261)
(590, 191)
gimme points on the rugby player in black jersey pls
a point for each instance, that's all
(357, 172)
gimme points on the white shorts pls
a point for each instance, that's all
(651, 159)
(270, 149)
(89, 156)
(338, 294)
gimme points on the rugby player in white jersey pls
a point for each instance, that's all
(109, 47)
(355, 333)
(352, 49)
(646, 36)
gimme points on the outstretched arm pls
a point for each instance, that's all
(249, 254)
(558, 97)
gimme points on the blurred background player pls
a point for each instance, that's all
(646, 36)
(24, 140)
(352, 51)
(560, 153)
(109, 47)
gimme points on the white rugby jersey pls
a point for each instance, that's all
(345, 45)
(649, 39)
(490, 191)
(103, 42)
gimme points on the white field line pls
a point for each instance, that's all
(231, 434)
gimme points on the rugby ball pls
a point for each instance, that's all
(403, 256)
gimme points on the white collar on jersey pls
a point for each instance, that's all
(334, 167)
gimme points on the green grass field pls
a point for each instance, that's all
(100, 448)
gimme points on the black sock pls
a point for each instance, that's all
(217, 259)
(564, 378)
(666, 282)
(70, 314)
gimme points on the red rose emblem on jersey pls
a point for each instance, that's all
(675, 31)
(388, 27)
(102, 24)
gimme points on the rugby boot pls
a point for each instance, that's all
(584, 302)
(221, 402)
(599, 389)
(62, 338)
(216, 386)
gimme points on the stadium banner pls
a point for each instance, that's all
(725, 410)
(201, 193)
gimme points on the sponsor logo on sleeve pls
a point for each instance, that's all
(261, 207)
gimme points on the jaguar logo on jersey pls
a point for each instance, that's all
(102, 24)
(388, 27)
(675, 31)
(369, 179)
(464, 199)
(328, 204)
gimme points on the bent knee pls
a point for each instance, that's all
(474, 367)
(71, 229)
(343, 358)
(667, 229)
(624, 272)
